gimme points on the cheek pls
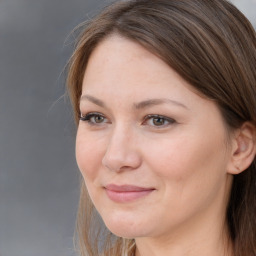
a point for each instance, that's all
(89, 153)
(188, 160)
(191, 174)
(168, 157)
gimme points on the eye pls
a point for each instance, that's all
(158, 120)
(94, 118)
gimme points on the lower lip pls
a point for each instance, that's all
(126, 196)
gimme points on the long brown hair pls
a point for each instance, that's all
(213, 47)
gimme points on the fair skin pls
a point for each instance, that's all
(153, 153)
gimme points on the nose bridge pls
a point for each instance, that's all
(122, 151)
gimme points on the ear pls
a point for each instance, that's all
(243, 149)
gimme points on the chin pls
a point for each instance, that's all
(126, 227)
(125, 232)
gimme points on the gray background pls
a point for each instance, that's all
(38, 174)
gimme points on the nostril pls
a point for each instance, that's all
(112, 163)
(126, 160)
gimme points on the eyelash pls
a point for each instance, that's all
(88, 118)
(167, 120)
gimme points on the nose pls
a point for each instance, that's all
(122, 151)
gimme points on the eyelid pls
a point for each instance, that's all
(151, 116)
(167, 120)
(88, 116)
(81, 116)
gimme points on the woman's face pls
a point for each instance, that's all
(152, 152)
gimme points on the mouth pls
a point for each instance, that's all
(126, 193)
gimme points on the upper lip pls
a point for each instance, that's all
(126, 188)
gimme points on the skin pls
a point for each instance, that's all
(184, 157)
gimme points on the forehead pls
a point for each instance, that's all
(122, 72)
(118, 63)
(120, 56)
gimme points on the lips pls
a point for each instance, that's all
(126, 193)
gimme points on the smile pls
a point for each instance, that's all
(126, 193)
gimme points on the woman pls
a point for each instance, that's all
(165, 102)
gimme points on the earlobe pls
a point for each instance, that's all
(243, 149)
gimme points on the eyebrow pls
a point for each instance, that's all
(140, 105)
(93, 100)
(154, 102)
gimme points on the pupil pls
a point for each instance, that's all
(98, 119)
(158, 121)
